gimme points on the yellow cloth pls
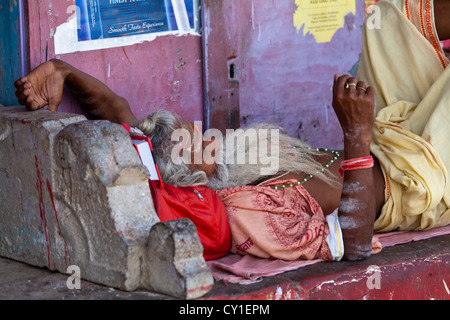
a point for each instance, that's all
(411, 135)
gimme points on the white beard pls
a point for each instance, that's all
(219, 180)
(299, 160)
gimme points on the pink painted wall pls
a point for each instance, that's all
(165, 73)
(446, 44)
(287, 77)
(283, 77)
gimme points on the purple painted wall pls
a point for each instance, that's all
(165, 73)
(284, 77)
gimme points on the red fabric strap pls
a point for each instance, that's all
(356, 164)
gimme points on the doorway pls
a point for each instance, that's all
(13, 43)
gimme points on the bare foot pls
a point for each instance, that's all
(41, 87)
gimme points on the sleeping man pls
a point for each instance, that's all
(320, 203)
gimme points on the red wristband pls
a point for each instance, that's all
(356, 164)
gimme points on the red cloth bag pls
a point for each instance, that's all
(199, 204)
(203, 207)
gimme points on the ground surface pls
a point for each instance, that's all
(418, 270)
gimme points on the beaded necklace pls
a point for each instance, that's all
(336, 155)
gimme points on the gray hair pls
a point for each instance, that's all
(294, 156)
(158, 126)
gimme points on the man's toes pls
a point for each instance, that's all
(18, 82)
(21, 96)
(21, 101)
(34, 105)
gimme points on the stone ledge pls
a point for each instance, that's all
(412, 271)
(74, 192)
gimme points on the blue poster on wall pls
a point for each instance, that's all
(171, 13)
(100, 19)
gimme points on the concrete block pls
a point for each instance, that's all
(172, 253)
(74, 192)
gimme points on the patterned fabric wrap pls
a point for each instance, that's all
(283, 224)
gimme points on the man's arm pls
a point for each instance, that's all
(44, 86)
(354, 107)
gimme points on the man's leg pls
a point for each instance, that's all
(44, 86)
(442, 18)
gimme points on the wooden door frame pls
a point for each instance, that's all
(14, 60)
(221, 88)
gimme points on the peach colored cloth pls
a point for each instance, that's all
(283, 224)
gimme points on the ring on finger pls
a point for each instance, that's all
(348, 85)
(362, 88)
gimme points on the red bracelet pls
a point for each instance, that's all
(356, 164)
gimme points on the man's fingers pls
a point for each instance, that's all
(335, 85)
(361, 87)
(352, 80)
(341, 82)
(370, 91)
(351, 84)
(336, 77)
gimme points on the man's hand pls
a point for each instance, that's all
(354, 106)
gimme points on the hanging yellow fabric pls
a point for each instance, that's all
(411, 135)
